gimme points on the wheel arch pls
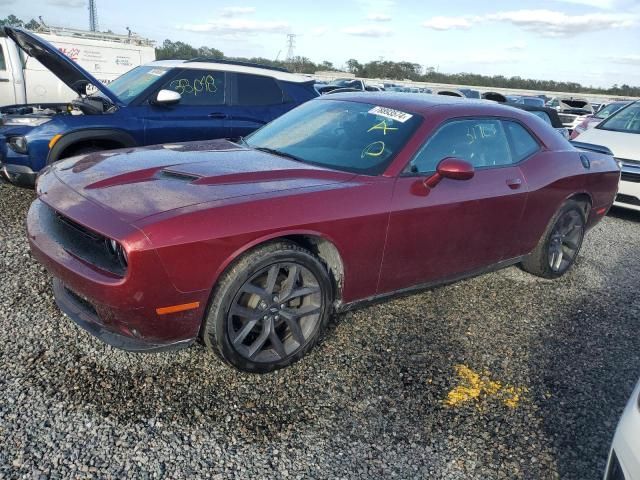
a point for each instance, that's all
(318, 243)
(583, 198)
(107, 137)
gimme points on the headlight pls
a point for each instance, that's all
(117, 251)
(26, 121)
(18, 144)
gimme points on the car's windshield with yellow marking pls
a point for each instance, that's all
(351, 136)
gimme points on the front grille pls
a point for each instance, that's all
(80, 241)
(630, 177)
(629, 199)
(83, 302)
(633, 163)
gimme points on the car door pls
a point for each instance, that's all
(201, 113)
(255, 101)
(457, 227)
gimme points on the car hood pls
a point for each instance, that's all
(623, 145)
(68, 71)
(140, 182)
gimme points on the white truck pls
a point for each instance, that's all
(24, 80)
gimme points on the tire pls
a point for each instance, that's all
(558, 248)
(250, 327)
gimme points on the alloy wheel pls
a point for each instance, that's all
(565, 240)
(275, 312)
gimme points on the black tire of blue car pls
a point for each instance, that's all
(269, 308)
(560, 245)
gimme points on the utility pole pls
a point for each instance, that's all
(291, 42)
(93, 16)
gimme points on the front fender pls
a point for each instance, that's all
(71, 138)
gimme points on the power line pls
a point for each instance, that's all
(93, 16)
(291, 43)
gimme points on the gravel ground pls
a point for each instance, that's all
(369, 402)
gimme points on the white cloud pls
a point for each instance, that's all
(320, 31)
(6, 2)
(546, 23)
(379, 17)
(368, 31)
(556, 24)
(236, 11)
(235, 26)
(625, 59)
(603, 4)
(448, 23)
(68, 3)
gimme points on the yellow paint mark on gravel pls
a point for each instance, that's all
(479, 387)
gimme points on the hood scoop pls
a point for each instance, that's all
(184, 177)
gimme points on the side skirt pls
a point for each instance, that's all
(345, 307)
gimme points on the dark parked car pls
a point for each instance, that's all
(346, 199)
(547, 114)
(164, 101)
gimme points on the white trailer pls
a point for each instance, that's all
(106, 56)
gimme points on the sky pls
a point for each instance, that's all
(593, 42)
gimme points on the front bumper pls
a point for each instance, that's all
(624, 459)
(121, 311)
(629, 190)
(85, 315)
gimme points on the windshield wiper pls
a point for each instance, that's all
(279, 153)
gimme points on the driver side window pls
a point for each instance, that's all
(199, 87)
(481, 142)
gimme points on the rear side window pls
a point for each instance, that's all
(255, 90)
(198, 87)
(522, 143)
(3, 65)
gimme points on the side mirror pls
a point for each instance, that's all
(453, 168)
(167, 97)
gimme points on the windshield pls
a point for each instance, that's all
(131, 84)
(343, 82)
(349, 136)
(610, 109)
(624, 120)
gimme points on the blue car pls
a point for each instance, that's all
(160, 102)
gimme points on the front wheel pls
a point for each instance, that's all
(557, 250)
(269, 309)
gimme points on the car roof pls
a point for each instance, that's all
(420, 103)
(229, 67)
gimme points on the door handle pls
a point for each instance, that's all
(4, 79)
(514, 183)
(217, 115)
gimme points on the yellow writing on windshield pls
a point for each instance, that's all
(382, 126)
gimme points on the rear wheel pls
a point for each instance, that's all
(557, 250)
(269, 309)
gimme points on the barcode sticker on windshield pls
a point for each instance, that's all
(396, 115)
(157, 72)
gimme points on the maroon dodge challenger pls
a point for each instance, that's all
(252, 245)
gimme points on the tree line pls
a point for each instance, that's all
(375, 69)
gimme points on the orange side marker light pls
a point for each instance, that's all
(54, 140)
(177, 308)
